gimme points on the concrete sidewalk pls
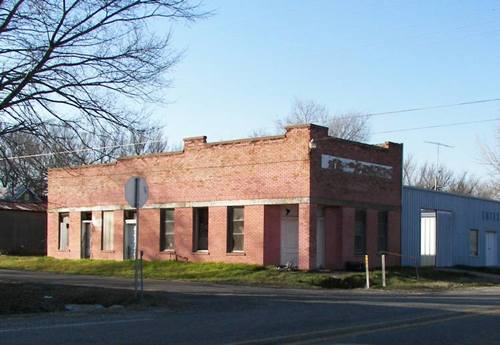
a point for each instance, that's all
(202, 288)
(178, 287)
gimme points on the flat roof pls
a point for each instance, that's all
(440, 192)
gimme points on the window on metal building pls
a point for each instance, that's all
(474, 242)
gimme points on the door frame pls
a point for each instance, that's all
(431, 260)
(290, 215)
(82, 243)
(495, 241)
(127, 222)
(320, 245)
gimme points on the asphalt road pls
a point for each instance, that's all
(213, 314)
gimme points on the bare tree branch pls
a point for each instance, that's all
(83, 63)
(351, 126)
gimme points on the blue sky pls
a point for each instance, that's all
(244, 66)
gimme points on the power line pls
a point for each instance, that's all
(440, 106)
(159, 141)
(488, 100)
(80, 150)
(438, 126)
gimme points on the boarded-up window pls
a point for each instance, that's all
(360, 233)
(200, 230)
(107, 230)
(382, 231)
(167, 229)
(63, 231)
(236, 227)
(474, 242)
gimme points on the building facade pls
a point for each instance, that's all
(302, 198)
(442, 229)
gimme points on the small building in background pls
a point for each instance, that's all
(23, 225)
(443, 229)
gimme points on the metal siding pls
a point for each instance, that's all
(445, 239)
(23, 232)
(467, 213)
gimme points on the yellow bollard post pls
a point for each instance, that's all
(367, 272)
(383, 270)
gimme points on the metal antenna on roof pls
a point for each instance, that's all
(438, 146)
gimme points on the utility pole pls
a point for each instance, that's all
(438, 146)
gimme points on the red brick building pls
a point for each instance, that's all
(303, 198)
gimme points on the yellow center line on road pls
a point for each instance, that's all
(338, 333)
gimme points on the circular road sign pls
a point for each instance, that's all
(136, 191)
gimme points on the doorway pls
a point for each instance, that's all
(86, 235)
(86, 239)
(427, 238)
(289, 254)
(320, 239)
(130, 235)
(491, 248)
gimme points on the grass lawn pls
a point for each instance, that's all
(397, 278)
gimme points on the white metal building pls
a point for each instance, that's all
(442, 229)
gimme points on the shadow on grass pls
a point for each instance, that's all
(18, 298)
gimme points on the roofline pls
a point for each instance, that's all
(451, 194)
(246, 140)
(384, 146)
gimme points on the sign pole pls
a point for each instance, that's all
(136, 249)
(142, 276)
(136, 194)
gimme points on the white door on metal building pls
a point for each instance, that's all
(428, 238)
(289, 236)
(491, 249)
(444, 241)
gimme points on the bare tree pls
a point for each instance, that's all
(351, 126)
(34, 157)
(82, 64)
(73, 76)
(492, 154)
(409, 170)
(305, 112)
(425, 175)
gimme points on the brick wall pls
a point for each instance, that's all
(272, 234)
(259, 173)
(333, 237)
(355, 188)
(252, 169)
